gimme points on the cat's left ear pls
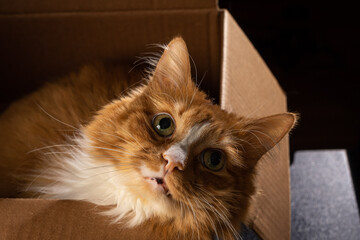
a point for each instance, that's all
(263, 134)
(174, 66)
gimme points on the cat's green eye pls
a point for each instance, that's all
(163, 124)
(213, 159)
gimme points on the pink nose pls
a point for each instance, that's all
(171, 163)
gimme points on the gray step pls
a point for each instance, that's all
(323, 200)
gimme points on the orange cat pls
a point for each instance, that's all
(159, 152)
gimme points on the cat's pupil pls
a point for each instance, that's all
(215, 158)
(164, 123)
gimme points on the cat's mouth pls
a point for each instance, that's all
(159, 184)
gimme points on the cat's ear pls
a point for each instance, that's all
(263, 134)
(173, 66)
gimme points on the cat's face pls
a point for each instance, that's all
(178, 153)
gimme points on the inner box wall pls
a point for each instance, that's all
(38, 47)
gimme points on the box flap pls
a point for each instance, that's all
(60, 219)
(44, 6)
(248, 88)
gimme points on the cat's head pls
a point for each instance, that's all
(180, 157)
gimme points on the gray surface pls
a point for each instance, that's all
(323, 202)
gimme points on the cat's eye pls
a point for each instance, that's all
(163, 124)
(213, 159)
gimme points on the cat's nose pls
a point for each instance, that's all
(172, 162)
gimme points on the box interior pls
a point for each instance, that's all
(41, 42)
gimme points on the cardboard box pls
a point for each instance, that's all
(40, 40)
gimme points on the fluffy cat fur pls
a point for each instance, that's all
(89, 136)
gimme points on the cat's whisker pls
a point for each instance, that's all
(260, 132)
(119, 160)
(150, 54)
(242, 140)
(71, 153)
(192, 98)
(128, 89)
(123, 174)
(116, 170)
(202, 79)
(203, 209)
(52, 146)
(115, 146)
(118, 137)
(107, 166)
(51, 116)
(188, 208)
(220, 214)
(162, 46)
(92, 157)
(150, 59)
(113, 150)
(54, 118)
(238, 124)
(196, 220)
(196, 90)
(266, 135)
(99, 157)
(168, 95)
(218, 220)
(195, 68)
(56, 153)
(64, 130)
(237, 149)
(209, 219)
(135, 65)
(227, 222)
(174, 81)
(275, 145)
(35, 178)
(222, 219)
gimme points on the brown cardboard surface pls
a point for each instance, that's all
(39, 219)
(41, 41)
(249, 88)
(44, 6)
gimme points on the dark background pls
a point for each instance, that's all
(311, 47)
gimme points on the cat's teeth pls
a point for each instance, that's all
(159, 183)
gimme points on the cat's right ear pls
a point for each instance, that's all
(173, 67)
(263, 134)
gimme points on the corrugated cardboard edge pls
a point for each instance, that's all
(56, 6)
(246, 78)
